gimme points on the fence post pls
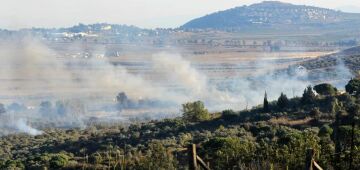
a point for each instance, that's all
(202, 163)
(192, 157)
(309, 159)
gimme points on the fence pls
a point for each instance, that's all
(195, 162)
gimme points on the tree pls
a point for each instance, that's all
(229, 115)
(338, 136)
(2, 108)
(325, 89)
(16, 107)
(325, 130)
(354, 118)
(333, 105)
(13, 164)
(159, 157)
(316, 113)
(229, 151)
(353, 87)
(308, 96)
(46, 107)
(96, 158)
(122, 101)
(266, 107)
(59, 161)
(195, 111)
(282, 101)
(60, 108)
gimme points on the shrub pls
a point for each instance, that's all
(229, 151)
(159, 157)
(13, 164)
(315, 113)
(325, 130)
(353, 87)
(325, 89)
(59, 161)
(96, 158)
(195, 111)
(228, 115)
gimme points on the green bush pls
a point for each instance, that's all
(13, 165)
(229, 151)
(157, 157)
(229, 115)
(325, 130)
(325, 89)
(353, 87)
(195, 111)
(59, 161)
(96, 158)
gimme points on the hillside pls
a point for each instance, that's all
(275, 135)
(273, 14)
(350, 58)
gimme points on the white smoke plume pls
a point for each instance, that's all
(11, 123)
(180, 71)
(23, 127)
(31, 72)
(195, 85)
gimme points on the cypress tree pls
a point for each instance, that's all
(266, 104)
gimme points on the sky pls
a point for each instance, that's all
(16, 14)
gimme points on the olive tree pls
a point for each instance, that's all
(195, 111)
(353, 87)
(325, 89)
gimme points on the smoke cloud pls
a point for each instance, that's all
(81, 88)
(22, 126)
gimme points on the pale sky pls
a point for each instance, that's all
(15, 14)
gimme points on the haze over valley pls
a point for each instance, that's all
(219, 63)
(226, 63)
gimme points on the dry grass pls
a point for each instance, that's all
(288, 122)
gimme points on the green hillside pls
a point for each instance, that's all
(274, 135)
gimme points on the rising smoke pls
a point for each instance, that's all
(79, 88)
(23, 127)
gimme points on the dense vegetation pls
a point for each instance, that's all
(349, 58)
(274, 135)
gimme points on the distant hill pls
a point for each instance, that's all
(273, 14)
(98, 28)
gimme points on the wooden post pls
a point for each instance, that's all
(202, 163)
(317, 166)
(123, 165)
(309, 159)
(192, 157)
